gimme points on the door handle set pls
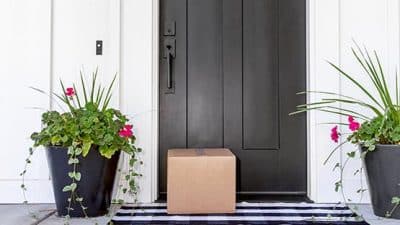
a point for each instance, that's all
(169, 53)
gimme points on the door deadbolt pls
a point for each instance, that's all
(169, 47)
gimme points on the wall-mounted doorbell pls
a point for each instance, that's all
(99, 47)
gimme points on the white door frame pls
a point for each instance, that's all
(311, 157)
(155, 101)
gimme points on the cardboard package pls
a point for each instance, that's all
(201, 181)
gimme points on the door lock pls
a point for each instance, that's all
(169, 47)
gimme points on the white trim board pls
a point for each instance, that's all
(155, 101)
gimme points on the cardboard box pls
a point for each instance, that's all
(201, 181)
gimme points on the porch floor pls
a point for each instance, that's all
(12, 214)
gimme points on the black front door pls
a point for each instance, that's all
(229, 74)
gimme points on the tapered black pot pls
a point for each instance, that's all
(383, 174)
(95, 186)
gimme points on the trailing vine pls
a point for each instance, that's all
(73, 152)
(129, 186)
(28, 161)
(339, 185)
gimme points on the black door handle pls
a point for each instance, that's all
(169, 54)
(169, 70)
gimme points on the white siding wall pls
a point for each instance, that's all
(333, 25)
(24, 62)
(43, 41)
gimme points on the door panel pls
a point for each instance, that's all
(204, 74)
(236, 71)
(260, 75)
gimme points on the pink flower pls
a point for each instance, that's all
(70, 92)
(128, 127)
(126, 131)
(353, 125)
(335, 134)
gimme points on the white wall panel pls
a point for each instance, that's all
(77, 24)
(373, 23)
(136, 83)
(24, 62)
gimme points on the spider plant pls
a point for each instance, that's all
(381, 102)
(383, 127)
(94, 96)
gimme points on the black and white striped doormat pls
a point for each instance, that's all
(246, 213)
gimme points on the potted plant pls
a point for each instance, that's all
(375, 129)
(83, 145)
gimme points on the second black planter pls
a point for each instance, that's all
(95, 186)
(383, 173)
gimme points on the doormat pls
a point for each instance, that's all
(246, 213)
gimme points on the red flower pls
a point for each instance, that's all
(70, 92)
(126, 132)
(335, 134)
(353, 125)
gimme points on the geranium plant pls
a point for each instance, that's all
(370, 123)
(88, 124)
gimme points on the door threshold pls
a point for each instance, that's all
(272, 198)
(259, 198)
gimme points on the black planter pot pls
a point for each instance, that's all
(383, 173)
(95, 186)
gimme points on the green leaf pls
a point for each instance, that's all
(108, 94)
(371, 148)
(64, 138)
(132, 185)
(361, 190)
(55, 139)
(351, 154)
(132, 162)
(396, 200)
(92, 90)
(338, 185)
(78, 151)
(83, 88)
(87, 143)
(77, 96)
(107, 151)
(77, 176)
(73, 186)
(70, 150)
(355, 83)
(73, 161)
(66, 188)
